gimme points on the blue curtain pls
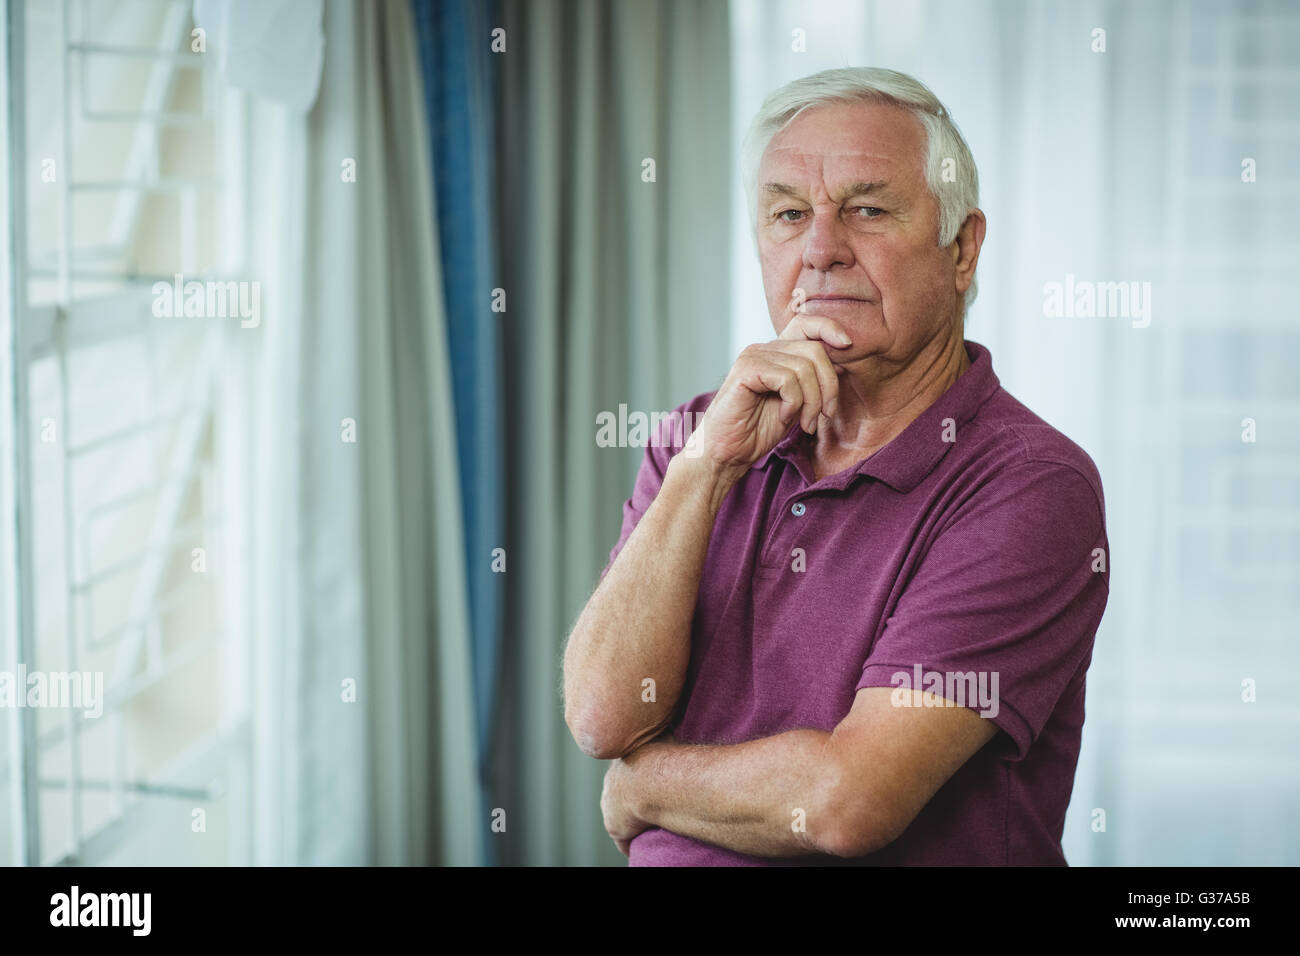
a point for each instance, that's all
(454, 39)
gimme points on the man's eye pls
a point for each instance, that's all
(868, 212)
(787, 212)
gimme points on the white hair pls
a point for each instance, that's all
(957, 193)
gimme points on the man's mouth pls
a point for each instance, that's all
(834, 298)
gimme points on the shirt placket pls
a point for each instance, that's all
(795, 514)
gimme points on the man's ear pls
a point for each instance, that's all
(966, 248)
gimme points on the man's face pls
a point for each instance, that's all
(845, 215)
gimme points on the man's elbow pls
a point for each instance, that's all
(595, 736)
(585, 732)
(599, 738)
(584, 721)
(850, 839)
(857, 824)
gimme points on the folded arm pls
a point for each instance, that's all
(846, 793)
(637, 624)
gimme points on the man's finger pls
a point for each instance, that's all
(817, 327)
(768, 376)
(826, 378)
(811, 381)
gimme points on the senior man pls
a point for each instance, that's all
(852, 622)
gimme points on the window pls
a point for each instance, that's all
(120, 584)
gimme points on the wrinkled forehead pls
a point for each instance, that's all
(847, 142)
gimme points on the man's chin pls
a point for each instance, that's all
(841, 358)
(855, 360)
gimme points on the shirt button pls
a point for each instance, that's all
(797, 509)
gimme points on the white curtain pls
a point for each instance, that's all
(357, 576)
(1126, 164)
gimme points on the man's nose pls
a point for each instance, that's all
(826, 243)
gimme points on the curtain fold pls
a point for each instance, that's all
(360, 517)
(617, 274)
(457, 69)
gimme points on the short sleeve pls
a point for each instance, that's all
(1012, 590)
(667, 438)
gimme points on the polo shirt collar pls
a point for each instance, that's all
(915, 451)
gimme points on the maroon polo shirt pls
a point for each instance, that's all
(963, 551)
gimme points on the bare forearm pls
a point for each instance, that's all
(636, 628)
(767, 797)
